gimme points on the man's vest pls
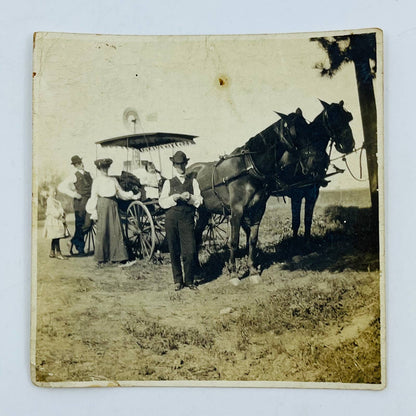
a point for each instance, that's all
(83, 187)
(176, 187)
(83, 184)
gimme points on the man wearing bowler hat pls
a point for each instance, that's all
(78, 186)
(180, 196)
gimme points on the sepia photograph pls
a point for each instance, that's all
(208, 210)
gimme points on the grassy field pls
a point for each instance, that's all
(314, 316)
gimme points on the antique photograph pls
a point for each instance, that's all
(208, 210)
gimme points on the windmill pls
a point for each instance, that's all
(130, 120)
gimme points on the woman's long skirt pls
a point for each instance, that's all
(109, 243)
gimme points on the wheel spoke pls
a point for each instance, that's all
(140, 230)
(147, 245)
(220, 231)
(216, 232)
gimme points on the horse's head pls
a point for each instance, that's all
(336, 121)
(294, 129)
(307, 155)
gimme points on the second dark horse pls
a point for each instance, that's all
(238, 184)
(330, 126)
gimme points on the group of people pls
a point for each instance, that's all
(96, 199)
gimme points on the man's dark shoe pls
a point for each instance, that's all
(178, 286)
(80, 254)
(192, 286)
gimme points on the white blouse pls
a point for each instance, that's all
(105, 186)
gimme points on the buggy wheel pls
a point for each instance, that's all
(89, 238)
(215, 235)
(160, 232)
(140, 230)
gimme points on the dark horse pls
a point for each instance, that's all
(331, 125)
(238, 184)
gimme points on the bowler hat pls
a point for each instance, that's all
(179, 157)
(103, 163)
(75, 160)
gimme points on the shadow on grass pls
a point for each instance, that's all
(211, 264)
(343, 239)
(347, 242)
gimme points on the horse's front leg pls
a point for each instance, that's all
(236, 215)
(310, 201)
(247, 230)
(254, 234)
(255, 220)
(296, 205)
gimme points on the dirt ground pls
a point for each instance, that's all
(313, 315)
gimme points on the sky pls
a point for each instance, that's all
(83, 84)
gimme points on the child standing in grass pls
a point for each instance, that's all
(55, 225)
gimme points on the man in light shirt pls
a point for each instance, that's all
(78, 187)
(180, 196)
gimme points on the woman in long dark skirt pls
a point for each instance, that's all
(109, 241)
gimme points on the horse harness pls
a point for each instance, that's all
(250, 166)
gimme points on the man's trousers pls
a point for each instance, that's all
(180, 235)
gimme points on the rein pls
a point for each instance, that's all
(344, 159)
(304, 183)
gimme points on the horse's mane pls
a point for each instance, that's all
(267, 136)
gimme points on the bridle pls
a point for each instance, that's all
(286, 137)
(331, 132)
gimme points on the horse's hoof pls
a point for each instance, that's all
(255, 279)
(235, 281)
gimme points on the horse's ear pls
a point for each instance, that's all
(282, 116)
(341, 103)
(299, 112)
(325, 105)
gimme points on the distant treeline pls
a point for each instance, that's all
(350, 197)
(346, 198)
(43, 188)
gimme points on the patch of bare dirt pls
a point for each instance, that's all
(302, 321)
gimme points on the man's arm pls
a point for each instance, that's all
(195, 199)
(165, 200)
(67, 187)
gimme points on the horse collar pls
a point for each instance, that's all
(251, 167)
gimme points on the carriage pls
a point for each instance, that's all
(237, 186)
(143, 220)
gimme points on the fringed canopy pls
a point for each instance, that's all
(148, 141)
